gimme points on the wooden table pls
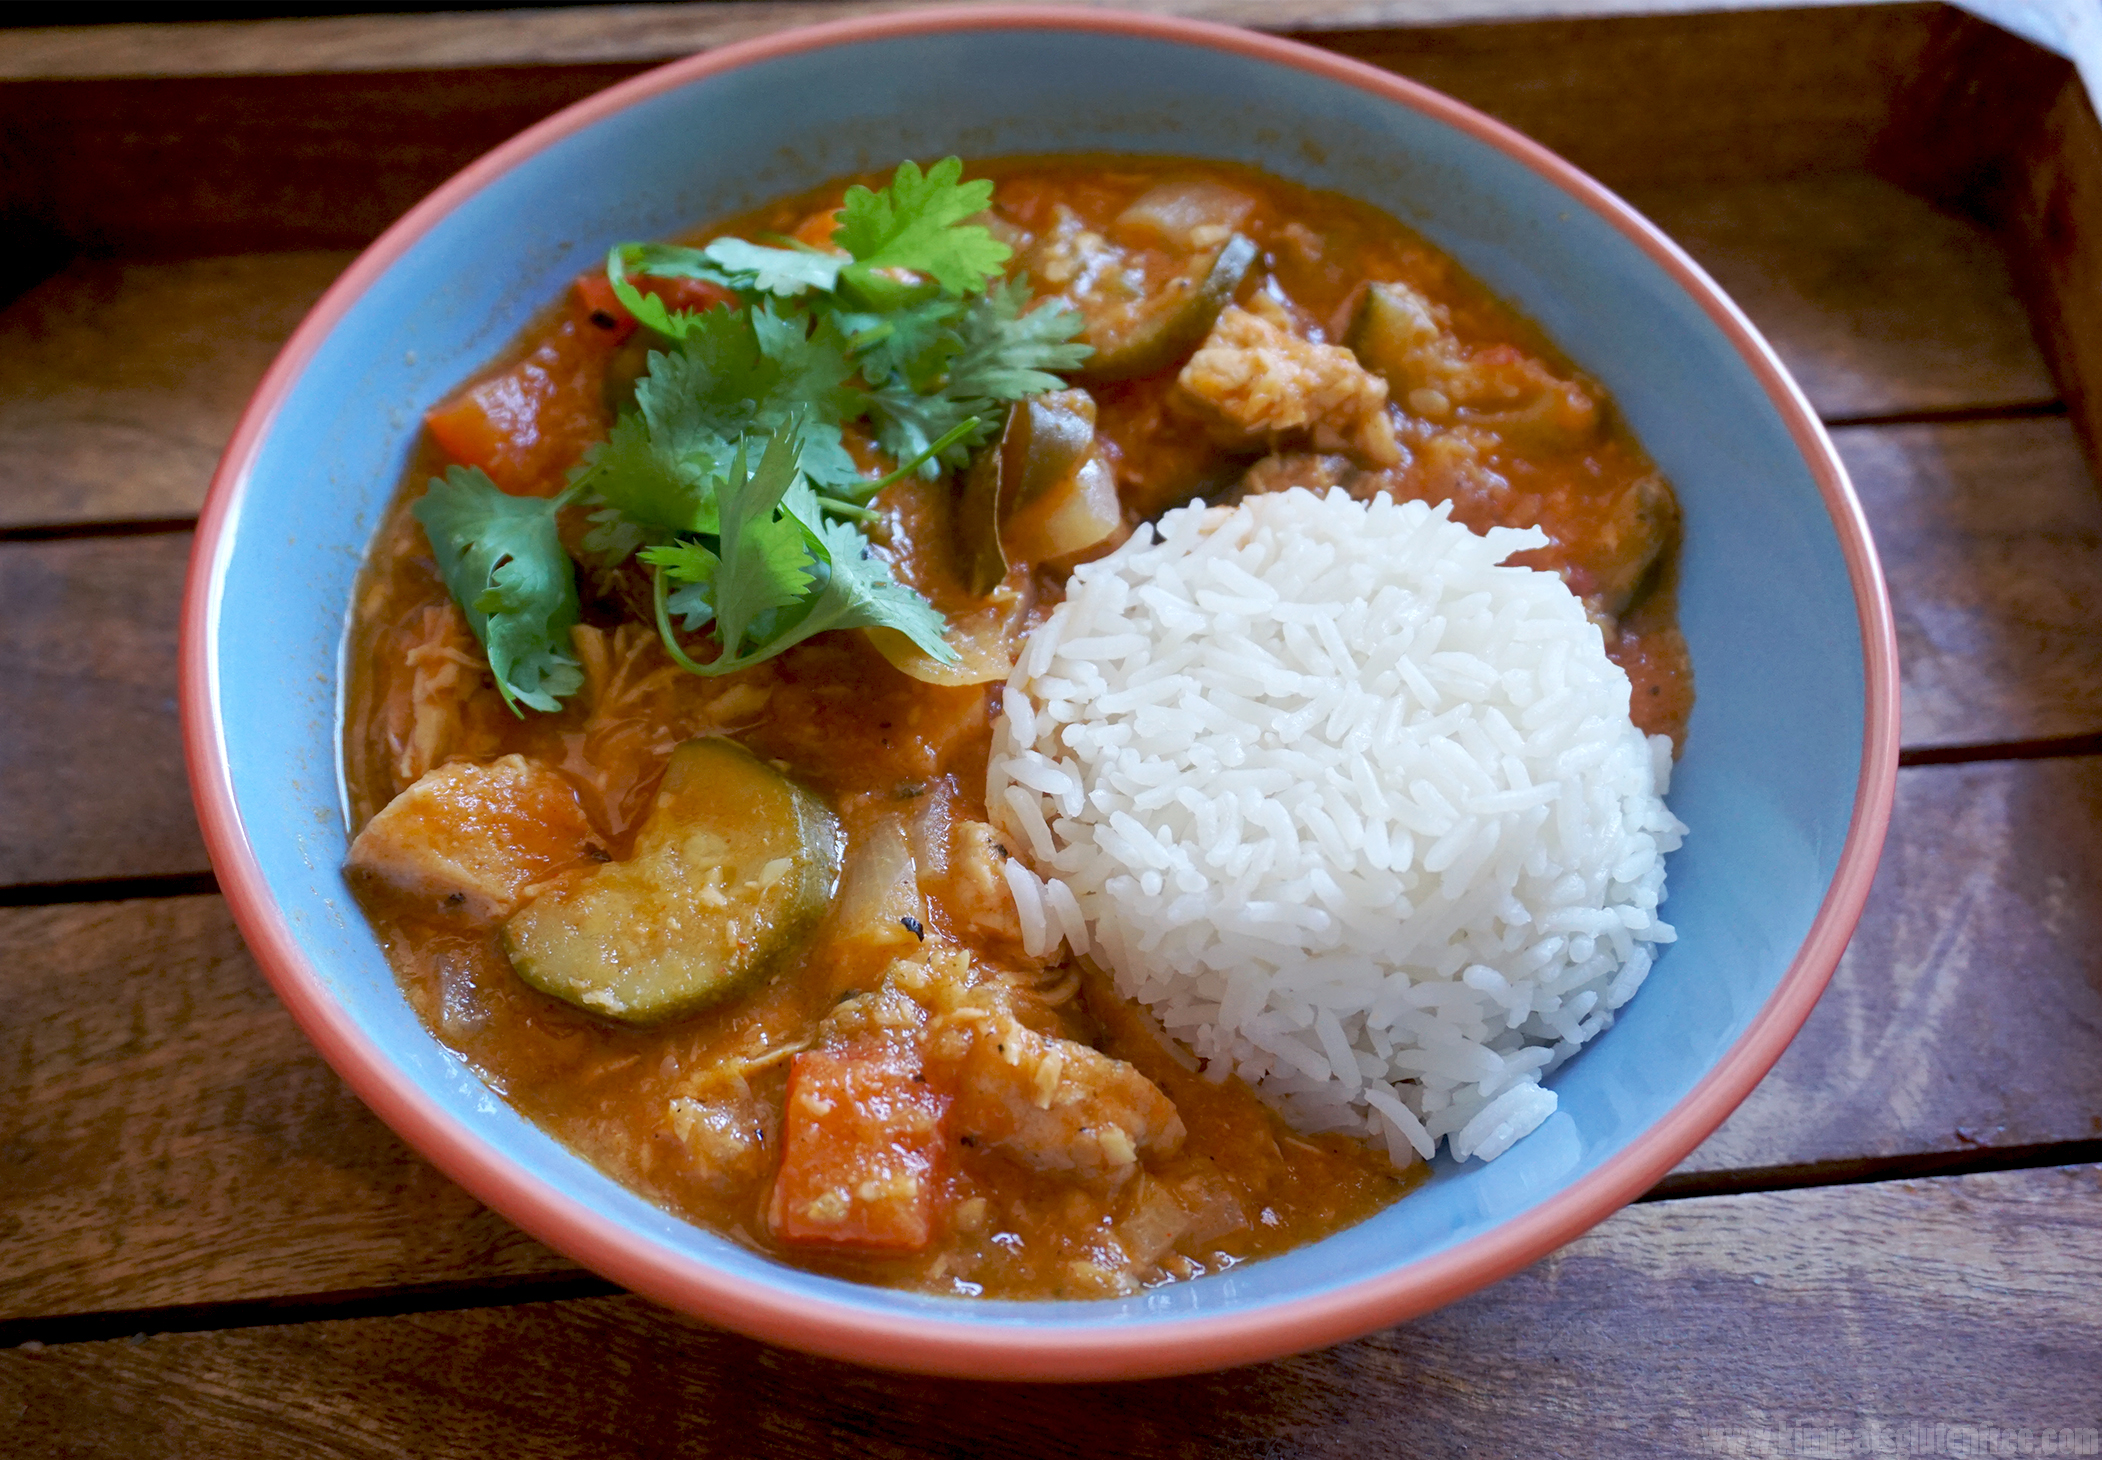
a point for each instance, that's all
(1894, 1246)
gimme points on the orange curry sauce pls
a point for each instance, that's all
(691, 1113)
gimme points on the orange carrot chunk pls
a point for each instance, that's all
(861, 1141)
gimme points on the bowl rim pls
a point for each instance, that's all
(923, 1343)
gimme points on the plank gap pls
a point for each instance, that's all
(116, 527)
(394, 1302)
(109, 889)
(1981, 1160)
(2050, 748)
(1952, 415)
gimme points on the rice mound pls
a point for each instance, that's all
(1356, 812)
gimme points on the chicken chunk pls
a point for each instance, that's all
(473, 838)
(1254, 374)
(975, 891)
(1057, 1105)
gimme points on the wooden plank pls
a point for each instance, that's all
(175, 168)
(91, 770)
(162, 1105)
(1965, 1013)
(120, 382)
(168, 1135)
(1879, 302)
(609, 33)
(2054, 217)
(252, 162)
(1991, 536)
(1924, 1317)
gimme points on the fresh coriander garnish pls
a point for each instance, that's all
(730, 475)
(503, 564)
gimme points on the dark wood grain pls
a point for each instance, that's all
(1991, 538)
(190, 164)
(1967, 1012)
(163, 1104)
(91, 773)
(1838, 269)
(168, 1136)
(560, 35)
(1846, 1316)
(120, 382)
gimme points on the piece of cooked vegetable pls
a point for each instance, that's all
(1080, 511)
(471, 838)
(1394, 335)
(732, 863)
(879, 898)
(985, 642)
(1173, 214)
(862, 1137)
(1642, 524)
(1031, 479)
(1399, 335)
(1167, 325)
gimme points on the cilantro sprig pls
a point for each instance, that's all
(730, 475)
(502, 561)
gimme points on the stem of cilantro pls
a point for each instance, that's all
(947, 439)
(664, 631)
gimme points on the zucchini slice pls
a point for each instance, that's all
(732, 864)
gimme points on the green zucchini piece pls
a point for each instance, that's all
(1169, 325)
(732, 864)
(1393, 335)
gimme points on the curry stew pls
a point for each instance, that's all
(744, 941)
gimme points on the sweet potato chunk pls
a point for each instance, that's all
(472, 838)
(862, 1134)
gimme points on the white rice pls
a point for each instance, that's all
(1358, 813)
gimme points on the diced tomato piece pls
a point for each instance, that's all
(600, 307)
(818, 228)
(687, 295)
(527, 425)
(861, 1145)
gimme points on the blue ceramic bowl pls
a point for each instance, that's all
(1786, 781)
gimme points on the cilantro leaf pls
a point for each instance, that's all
(1004, 355)
(915, 341)
(656, 476)
(860, 593)
(693, 567)
(916, 224)
(764, 563)
(502, 560)
(783, 271)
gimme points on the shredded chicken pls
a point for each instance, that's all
(446, 669)
(1262, 379)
